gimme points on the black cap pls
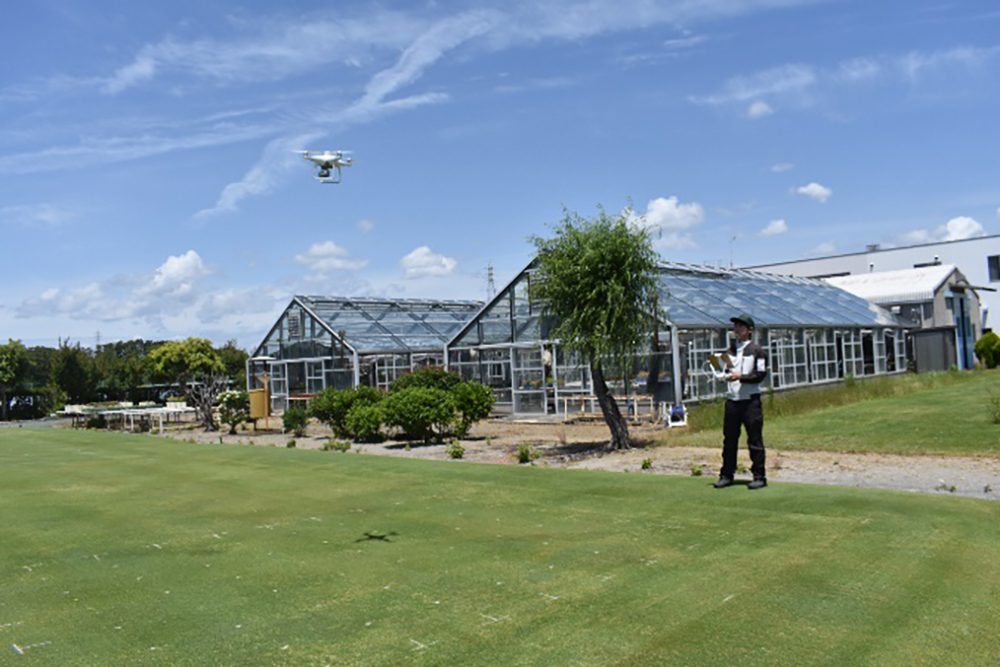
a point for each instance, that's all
(745, 319)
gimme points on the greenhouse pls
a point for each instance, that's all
(321, 342)
(814, 333)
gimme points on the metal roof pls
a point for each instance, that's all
(904, 286)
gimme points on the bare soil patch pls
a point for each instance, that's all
(583, 445)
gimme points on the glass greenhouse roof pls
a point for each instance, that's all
(697, 296)
(390, 325)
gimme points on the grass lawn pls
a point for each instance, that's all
(119, 549)
(952, 419)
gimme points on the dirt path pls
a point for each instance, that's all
(581, 445)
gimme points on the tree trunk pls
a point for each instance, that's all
(609, 407)
(3, 402)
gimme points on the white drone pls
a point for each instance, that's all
(328, 164)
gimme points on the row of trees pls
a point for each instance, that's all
(35, 381)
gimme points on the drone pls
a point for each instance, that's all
(328, 164)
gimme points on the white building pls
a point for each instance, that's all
(937, 298)
(978, 259)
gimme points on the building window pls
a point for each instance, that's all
(994, 264)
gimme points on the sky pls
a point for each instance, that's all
(150, 188)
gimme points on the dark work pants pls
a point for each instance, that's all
(741, 414)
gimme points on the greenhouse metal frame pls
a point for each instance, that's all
(813, 333)
(341, 342)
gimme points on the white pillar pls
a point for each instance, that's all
(675, 356)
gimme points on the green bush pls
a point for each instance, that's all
(234, 409)
(421, 413)
(335, 445)
(455, 450)
(473, 401)
(526, 453)
(364, 422)
(294, 421)
(332, 405)
(988, 349)
(428, 378)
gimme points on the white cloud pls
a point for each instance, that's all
(998, 211)
(774, 227)
(956, 229)
(328, 256)
(141, 69)
(424, 262)
(666, 213)
(816, 191)
(34, 215)
(827, 248)
(176, 277)
(784, 166)
(667, 219)
(278, 159)
(365, 226)
(806, 84)
(684, 42)
(859, 69)
(759, 109)
(913, 65)
(778, 80)
(424, 51)
(242, 303)
(172, 287)
(962, 227)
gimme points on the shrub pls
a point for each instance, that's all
(336, 445)
(455, 450)
(988, 349)
(473, 401)
(332, 405)
(234, 409)
(421, 413)
(526, 453)
(290, 444)
(364, 422)
(294, 420)
(647, 464)
(429, 378)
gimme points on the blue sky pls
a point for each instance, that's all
(149, 188)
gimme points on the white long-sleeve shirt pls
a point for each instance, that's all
(750, 362)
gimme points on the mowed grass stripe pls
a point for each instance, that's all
(126, 548)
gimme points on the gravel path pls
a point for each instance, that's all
(581, 446)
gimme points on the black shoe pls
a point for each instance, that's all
(723, 482)
(758, 483)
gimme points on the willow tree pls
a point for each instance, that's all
(595, 281)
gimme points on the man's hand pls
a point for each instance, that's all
(735, 375)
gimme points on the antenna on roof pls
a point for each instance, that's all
(491, 288)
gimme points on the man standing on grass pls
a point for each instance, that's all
(747, 370)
